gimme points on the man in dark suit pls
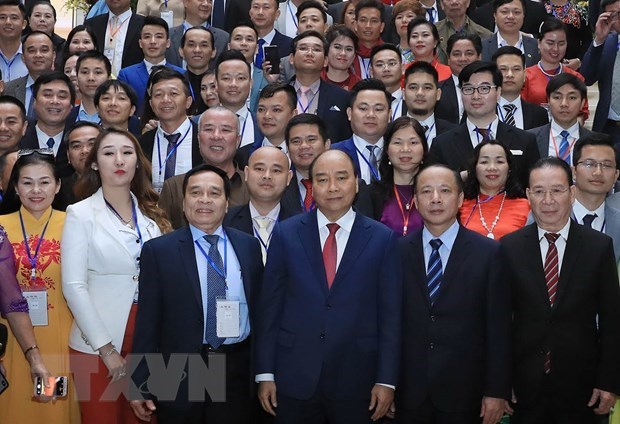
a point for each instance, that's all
(118, 32)
(369, 114)
(328, 316)
(455, 362)
(389, 32)
(463, 49)
(512, 109)
(13, 123)
(595, 173)
(421, 95)
(454, 148)
(326, 100)
(565, 308)
(600, 65)
(535, 14)
(267, 175)
(172, 147)
(386, 65)
(209, 269)
(566, 94)
(197, 13)
(263, 14)
(53, 96)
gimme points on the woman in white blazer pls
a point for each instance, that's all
(100, 252)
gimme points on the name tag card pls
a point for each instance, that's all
(37, 305)
(227, 316)
(168, 16)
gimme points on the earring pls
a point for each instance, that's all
(94, 167)
(389, 162)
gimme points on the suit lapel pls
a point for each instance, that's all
(104, 218)
(244, 220)
(242, 255)
(188, 258)
(132, 33)
(358, 239)
(310, 240)
(458, 257)
(531, 252)
(572, 253)
(418, 267)
(143, 74)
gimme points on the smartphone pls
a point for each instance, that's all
(58, 387)
(4, 383)
(271, 55)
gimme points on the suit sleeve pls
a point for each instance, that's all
(591, 61)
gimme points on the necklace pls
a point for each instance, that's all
(126, 223)
(400, 194)
(484, 223)
(557, 72)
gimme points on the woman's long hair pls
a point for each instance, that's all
(90, 180)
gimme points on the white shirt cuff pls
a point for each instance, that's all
(387, 385)
(264, 377)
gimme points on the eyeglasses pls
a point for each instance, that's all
(381, 65)
(306, 49)
(28, 152)
(554, 193)
(591, 164)
(468, 90)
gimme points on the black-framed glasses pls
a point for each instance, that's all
(28, 152)
(468, 90)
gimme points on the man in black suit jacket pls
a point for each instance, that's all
(454, 148)
(124, 38)
(455, 362)
(180, 304)
(565, 308)
(263, 14)
(462, 50)
(267, 175)
(535, 14)
(511, 63)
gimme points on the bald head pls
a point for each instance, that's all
(219, 137)
(267, 175)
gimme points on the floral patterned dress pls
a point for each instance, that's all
(17, 404)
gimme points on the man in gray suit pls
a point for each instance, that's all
(595, 172)
(566, 94)
(38, 55)
(197, 13)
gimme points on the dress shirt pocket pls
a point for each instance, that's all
(286, 339)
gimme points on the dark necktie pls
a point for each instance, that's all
(50, 143)
(216, 288)
(565, 147)
(260, 54)
(552, 276)
(330, 254)
(587, 220)
(429, 14)
(372, 159)
(509, 119)
(308, 198)
(217, 14)
(171, 158)
(30, 111)
(484, 133)
(434, 273)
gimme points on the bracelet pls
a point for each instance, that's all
(108, 353)
(29, 349)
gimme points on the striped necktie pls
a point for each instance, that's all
(434, 274)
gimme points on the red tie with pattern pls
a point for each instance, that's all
(308, 199)
(552, 276)
(330, 254)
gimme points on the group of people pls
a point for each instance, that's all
(295, 212)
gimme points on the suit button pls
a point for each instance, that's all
(135, 277)
(433, 318)
(431, 345)
(322, 336)
(328, 306)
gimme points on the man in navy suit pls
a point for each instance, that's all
(205, 264)
(455, 363)
(600, 64)
(329, 310)
(154, 41)
(369, 114)
(263, 14)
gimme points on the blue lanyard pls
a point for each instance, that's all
(191, 91)
(217, 269)
(364, 67)
(176, 145)
(400, 102)
(429, 130)
(372, 170)
(245, 121)
(134, 215)
(8, 65)
(478, 135)
(288, 4)
(33, 258)
(305, 109)
(260, 239)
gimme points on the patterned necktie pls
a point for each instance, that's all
(304, 99)
(484, 133)
(171, 154)
(434, 273)
(50, 143)
(217, 14)
(308, 198)
(509, 119)
(260, 54)
(30, 111)
(372, 159)
(429, 14)
(565, 147)
(588, 219)
(216, 288)
(262, 222)
(330, 254)
(552, 276)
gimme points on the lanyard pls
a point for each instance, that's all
(290, 11)
(245, 121)
(429, 131)
(557, 151)
(217, 269)
(33, 258)
(305, 109)
(303, 205)
(8, 65)
(396, 109)
(191, 91)
(402, 211)
(134, 216)
(265, 244)
(364, 67)
(372, 170)
(176, 145)
(478, 135)
(118, 28)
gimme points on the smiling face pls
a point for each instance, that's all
(81, 42)
(244, 39)
(218, 136)
(38, 54)
(437, 198)
(204, 201)
(369, 25)
(208, 90)
(405, 150)
(481, 106)
(341, 53)
(12, 22)
(116, 161)
(42, 19)
(422, 42)
(153, 42)
(509, 17)
(311, 19)
(304, 145)
(36, 187)
(53, 103)
(386, 66)
(553, 47)
(170, 101)
(334, 185)
(12, 126)
(551, 212)
(462, 54)
(233, 83)
(492, 169)
(198, 50)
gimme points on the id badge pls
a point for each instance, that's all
(158, 186)
(168, 16)
(109, 53)
(227, 317)
(37, 306)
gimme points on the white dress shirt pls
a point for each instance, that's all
(555, 138)
(459, 96)
(116, 55)
(246, 126)
(518, 115)
(447, 242)
(580, 211)
(42, 139)
(431, 132)
(149, 65)
(363, 156)
(183, 161)
(560, 244)
(476, 137)
(502, 43)
(14, 67)
(397, 104)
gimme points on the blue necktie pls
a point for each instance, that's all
(565, 147)
(171, 159)
(429, 13)
(216, 287)
(434, 274)
(50, 143)
(217, 14)
(374, 162)
(260, 55)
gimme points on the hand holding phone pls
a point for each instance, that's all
(271, 55)
(57, 387)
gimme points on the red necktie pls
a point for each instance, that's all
(330, 253)
(552, 276)
(308, 199)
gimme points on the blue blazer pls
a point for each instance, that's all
(598, 65)
(344, 339)
(137, 77)
(171, 318)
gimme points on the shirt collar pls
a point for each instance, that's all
(183, 128)
(472, 128)
(556, 129)
(361, 144)
(447, 237)
(269, 37)
(345, 222)
(121, 18)
(29, 81)
(82, 112)
(187, 25)
(501, 42)
(563, 232)
(150, 65)
(580, 211)
(273, 214)
(397, 95)
(41, 135)
(282, 146)
(429, 122)
(198, 234)
(516, 102)
(314, 87)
